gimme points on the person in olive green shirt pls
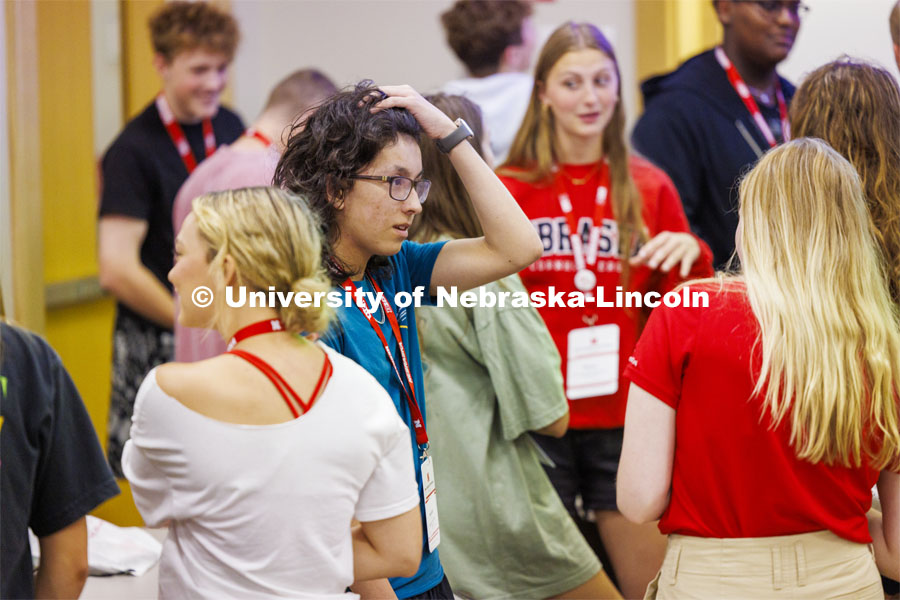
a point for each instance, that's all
(492, 375)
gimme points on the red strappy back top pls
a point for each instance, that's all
(291, 398)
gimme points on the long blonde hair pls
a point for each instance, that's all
(855, 107)
(533, 153)
(274, 240)
(829, 332)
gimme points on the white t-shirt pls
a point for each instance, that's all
(259, 511)
(503, 98)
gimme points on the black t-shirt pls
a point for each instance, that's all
(142, 172)
(52, 469)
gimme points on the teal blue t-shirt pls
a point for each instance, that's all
(352, 336)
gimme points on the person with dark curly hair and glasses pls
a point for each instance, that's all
(357, 162)
(711, 119)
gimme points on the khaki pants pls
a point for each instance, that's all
(817, 565)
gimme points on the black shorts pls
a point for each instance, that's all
(441, 591)
(586, 463)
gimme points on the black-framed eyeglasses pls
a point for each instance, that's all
(400, 187)
(773, 8)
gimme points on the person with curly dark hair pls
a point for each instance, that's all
(495, 41)
(357, 162)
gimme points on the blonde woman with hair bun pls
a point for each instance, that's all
(757, 427)
(249, 457)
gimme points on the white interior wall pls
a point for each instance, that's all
(858, 28)
(388, 41)
(106, 80)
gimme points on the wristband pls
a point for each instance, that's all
(463, 132)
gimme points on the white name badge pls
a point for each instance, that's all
(431, 510)
(592, 367)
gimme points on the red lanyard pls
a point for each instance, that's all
(418, 421)
(585, 279)
(260, 327)
(744, 92)
(176, 134)
(255, 133)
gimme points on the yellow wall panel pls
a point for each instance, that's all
(139, 79)
(82, 335)
(24, 165)
(670, 31)
(68, 171)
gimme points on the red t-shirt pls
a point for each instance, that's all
(661, 211)
(733, 476)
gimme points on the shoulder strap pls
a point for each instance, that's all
(286, 391)
(280, 384)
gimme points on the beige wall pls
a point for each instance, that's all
(389, 41)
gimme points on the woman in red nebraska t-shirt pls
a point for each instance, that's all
(570, 171)
(764, 488)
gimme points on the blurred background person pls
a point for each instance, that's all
(757, 427)
(259, 481)
(715, 115)
(53, 470)
(593, 205)
(193, 45)
(495, 41)
(483, 401)
(855, 107)
(248, 162)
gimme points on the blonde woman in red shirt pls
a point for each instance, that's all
(757, 427)
(571, 172)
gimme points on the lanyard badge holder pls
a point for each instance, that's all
(586, 278)
(737, 82)
(429, 491)
(592, 357)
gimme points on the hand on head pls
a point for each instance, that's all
(435, 123)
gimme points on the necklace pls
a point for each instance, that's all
(762, 96)
(582, 180)
(374, 312)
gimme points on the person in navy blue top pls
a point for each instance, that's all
(357, 162)
(696, 127)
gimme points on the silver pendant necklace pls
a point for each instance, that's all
(375, 312)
